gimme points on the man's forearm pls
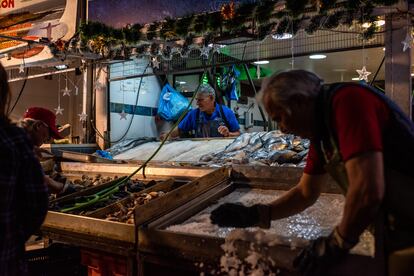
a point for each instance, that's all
(234, 133)
(298, 198)
(291, 203)
(365, 194)
(358, 214)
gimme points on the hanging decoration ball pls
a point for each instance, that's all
(227, 11)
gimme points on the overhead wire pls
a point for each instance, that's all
(21, 89)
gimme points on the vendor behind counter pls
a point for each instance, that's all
(208, 120)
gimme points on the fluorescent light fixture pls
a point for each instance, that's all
(181, 82)
(317, 56)
(355, 79)
(260, 62)
(211, 45)
(61, 67)
(282, 36)
(377, 23)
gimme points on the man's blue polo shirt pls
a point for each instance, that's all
(189, 122)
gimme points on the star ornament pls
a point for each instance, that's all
(205, 52)
(59, 110)
(155, 63)
(363, 74)
(21, 68)
(66, 91)
(123, 115)
(82, 117)
(407, 42)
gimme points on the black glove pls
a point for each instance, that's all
(238, 215)
(68, 188)
(322, 253)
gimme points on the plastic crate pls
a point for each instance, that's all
(103, 264)
(57, 259)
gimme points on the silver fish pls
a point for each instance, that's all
(239, 143)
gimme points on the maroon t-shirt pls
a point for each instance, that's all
(360, 119)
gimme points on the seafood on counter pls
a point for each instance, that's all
(126, 189)
(125, 213)
(262, 148)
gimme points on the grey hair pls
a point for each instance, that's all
(28, 124)
(206, 89)
(281, 87)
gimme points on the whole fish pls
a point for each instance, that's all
(239, 143)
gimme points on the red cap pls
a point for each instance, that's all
(46, 116)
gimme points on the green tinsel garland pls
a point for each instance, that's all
(168, 29)
(215, 22)
(256, 18)
(264, 12)
(200, 23)
(333, 20)
(283, 25)
(183, 25)
(296, 7)
(152, 31)
(315, 24)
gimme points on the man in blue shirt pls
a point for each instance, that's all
(209, 119)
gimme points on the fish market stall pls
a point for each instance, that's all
(185, 241)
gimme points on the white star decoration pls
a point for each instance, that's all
(205, 51)
(59, 110)
(155, 63)
(98, 85)
(407, 42)
(123, 115)
(21, 68)
(216, 49)
(66, 91)
(363, 74)
(82, 117)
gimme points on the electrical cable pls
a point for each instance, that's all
(20, 93)
(135, 106)
(376, 73)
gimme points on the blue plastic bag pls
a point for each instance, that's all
(104, 154)
(172, 104)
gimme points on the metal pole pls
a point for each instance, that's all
(255, 92)
(42, 75)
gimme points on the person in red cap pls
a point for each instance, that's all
(40, 125)
(48, 118)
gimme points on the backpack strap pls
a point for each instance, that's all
(226, 122)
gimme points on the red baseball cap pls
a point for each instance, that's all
(46, 116)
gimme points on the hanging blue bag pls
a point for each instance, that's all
(172, 104)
